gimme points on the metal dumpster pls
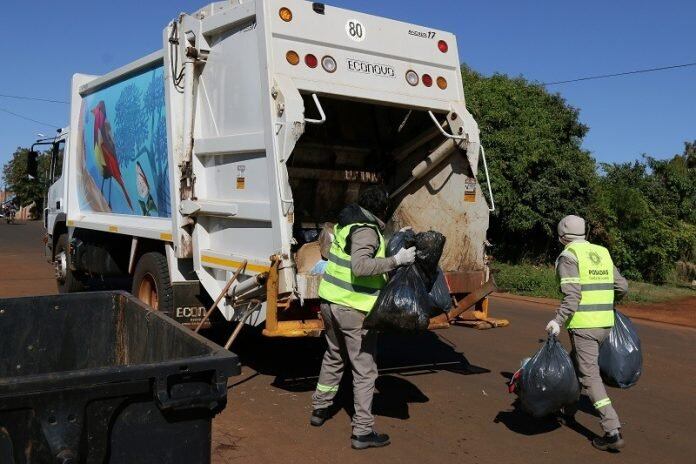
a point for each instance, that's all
(99, 377)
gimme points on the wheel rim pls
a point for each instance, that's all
(61, 266)
(147, 291)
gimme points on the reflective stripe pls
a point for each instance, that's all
(596, 307)
(338, 260)
(570, 280)
(601, 403)
(327, 388)
(592, 287)
(350, 287)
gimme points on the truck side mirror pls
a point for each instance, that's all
(32, 165)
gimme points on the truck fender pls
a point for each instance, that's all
(59, 227)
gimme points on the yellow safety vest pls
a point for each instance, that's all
(596, 280)
(339, 285)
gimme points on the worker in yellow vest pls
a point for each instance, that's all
(354, 276)
(589, 283)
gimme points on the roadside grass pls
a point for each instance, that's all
(641, 292)
(540, 281)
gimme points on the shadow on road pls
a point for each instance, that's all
(295, 363)
(520, 422)
(393, 396)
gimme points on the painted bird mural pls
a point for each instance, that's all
(105, 151)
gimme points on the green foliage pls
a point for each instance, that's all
(540, 281)
(16, 180)
(539, 171)
(527, 279)
(644, 212)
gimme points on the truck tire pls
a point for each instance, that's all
(67, 280)
(151, 282)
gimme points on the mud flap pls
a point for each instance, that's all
(191, 302)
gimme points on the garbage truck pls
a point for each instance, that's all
(202, 171)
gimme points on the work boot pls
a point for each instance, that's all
(371, 440)
(609, 442)
(319, 416)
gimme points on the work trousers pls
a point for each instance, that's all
(348, 344)
(585, 355)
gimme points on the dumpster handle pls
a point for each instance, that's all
(449, 136)
(321, 112)
(210, 400)
(488, 179)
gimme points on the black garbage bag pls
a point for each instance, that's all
(406, 303)
(429, 246)
(620, 355)
(403, 305)
(440, 295)
(548, 380)
(399, 240)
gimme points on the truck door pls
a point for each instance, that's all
(55, 203)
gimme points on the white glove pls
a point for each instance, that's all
(553, 328)
(405, 256)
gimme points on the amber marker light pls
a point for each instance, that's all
(292, 57)
(285, 14)
(442, 82)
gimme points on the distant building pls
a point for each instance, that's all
(24, 213)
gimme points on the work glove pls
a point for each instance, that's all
(552, 328)
(405, 256)
(404, 229)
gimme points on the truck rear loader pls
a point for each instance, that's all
(227, 150)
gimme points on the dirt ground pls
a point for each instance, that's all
(677, 312)
(441, 396)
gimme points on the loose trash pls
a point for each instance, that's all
(405, 304)
(319, 268)
(307, 257)
(547, 382)
(620, 355)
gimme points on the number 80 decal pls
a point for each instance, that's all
(355, 30)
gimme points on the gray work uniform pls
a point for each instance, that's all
(586, 342)
(350, 344)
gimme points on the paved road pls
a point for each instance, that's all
(23, 268)
(442, 397)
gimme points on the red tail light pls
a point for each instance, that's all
(427, 80)
(311, 61)
(442, 45)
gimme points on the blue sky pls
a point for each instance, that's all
(47, 41)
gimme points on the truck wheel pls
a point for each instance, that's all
(151, 282)
(67, 281)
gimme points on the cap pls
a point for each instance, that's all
(572, 227)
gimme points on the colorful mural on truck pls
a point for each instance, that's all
(123, 148)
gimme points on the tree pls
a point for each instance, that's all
(539, 172)
(15, 177)
(644, 212)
